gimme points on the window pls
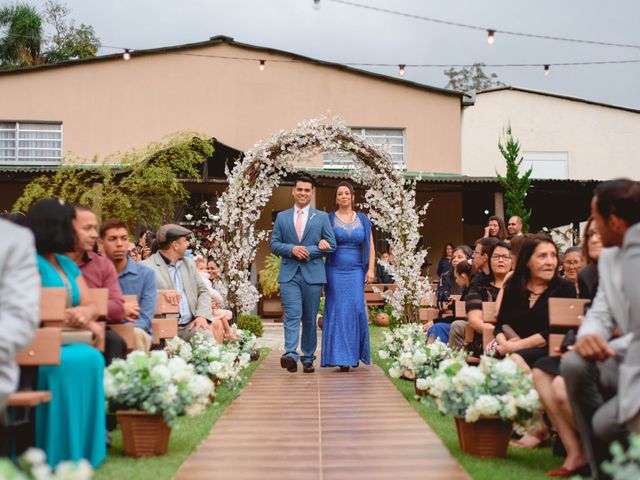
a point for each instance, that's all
(547, 165)
(390, 140)
(30, 143)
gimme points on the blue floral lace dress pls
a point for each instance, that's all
(345, 329)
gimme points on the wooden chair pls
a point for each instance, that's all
(44, 349)
(428, 314)
(489, 315)
(165, 325)
(564, 314)
(461, 310)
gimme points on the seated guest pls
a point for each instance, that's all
(19, 297)
(177, 274)
(382, 276)
(591, 248)
(601, 372)
(439, 329)
(481, 290)
(134, 279)
(72, 425)
(447, 285)
(572, 263)
(444, 265)
(99, 272)
(216, 281)
(221, 317)
(495, 228)
(525, 307)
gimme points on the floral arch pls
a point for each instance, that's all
(390, 200)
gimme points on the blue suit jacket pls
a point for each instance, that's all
(284, 238)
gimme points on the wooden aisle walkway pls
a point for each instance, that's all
(321, 426)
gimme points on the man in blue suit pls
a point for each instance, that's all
(296, 238)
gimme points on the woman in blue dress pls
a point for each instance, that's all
(72, 425)
(345, 329)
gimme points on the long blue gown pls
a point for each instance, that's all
(72, 425)
(345, 329)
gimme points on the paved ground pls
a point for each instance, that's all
(273, 337)
(322, 426)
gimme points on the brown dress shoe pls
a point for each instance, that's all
(308, 368)
(289, 363)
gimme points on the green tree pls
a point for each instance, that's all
(471, 78)
(515, 184)
(67, 40)
(22, 42)
(145, 187)
(33, 37)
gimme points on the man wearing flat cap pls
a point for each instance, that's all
(178, 274)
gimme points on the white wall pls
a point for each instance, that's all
(600, 142)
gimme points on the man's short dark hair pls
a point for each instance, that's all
(51, 221)
(305, 179)
(620, 197)
(487, 244)
(111, 223)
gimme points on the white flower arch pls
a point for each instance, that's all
(390, 200)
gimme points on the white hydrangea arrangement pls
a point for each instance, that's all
(625, 464)
(32, 464)
(398, 347)
(246, 342)
(156, 383)
(390, 200)
(494, 387)
(425, 359)
(221, 363)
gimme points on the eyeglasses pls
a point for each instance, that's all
(571, 263)
(501, 257)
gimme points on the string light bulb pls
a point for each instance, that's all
(126, 55)
(262, 63)
(546, 70)
(401, 69)
(491, 36)
(316, 4)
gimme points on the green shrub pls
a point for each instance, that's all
(268, 276)
(252, 323)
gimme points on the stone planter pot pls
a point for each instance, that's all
(487, 437)
(381, 319)
(143, 434)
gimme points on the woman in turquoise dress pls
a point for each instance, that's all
(72, 425)
(345, 328)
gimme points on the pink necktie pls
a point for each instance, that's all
(299, 225)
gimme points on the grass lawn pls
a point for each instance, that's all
(520, 464)
(186, 435)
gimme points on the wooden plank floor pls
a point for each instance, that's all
(321, 426)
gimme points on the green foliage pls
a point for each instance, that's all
(471, 78)
(26, 43)
(251, 323)
(516, 185)
(145, 186)
(21, 44)
(321, 306)
(268, 277)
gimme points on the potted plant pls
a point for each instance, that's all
(485, 400)
(32, 464)
(270, 303)
(148, 393)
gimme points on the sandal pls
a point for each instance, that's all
(530, 440)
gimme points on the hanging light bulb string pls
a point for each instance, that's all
(477, 27)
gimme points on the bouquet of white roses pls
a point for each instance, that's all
(32, 464)
(156, 383)
(495, 387)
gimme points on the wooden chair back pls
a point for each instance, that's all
(44, 348)
(125, 331)
(163, 328)
(53, 303)
(130, 298)
(428, 314)
(489, 313)
(455, 297)
(461, 309)
(100, 297)
(165, 308)
(564, 313)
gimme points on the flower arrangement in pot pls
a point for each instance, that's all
(485, 400)
(148, 393)
(246, 342)
(32, 464)
(401, 341)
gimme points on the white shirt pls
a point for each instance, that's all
(305, 216)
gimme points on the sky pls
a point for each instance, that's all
(346, 34)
